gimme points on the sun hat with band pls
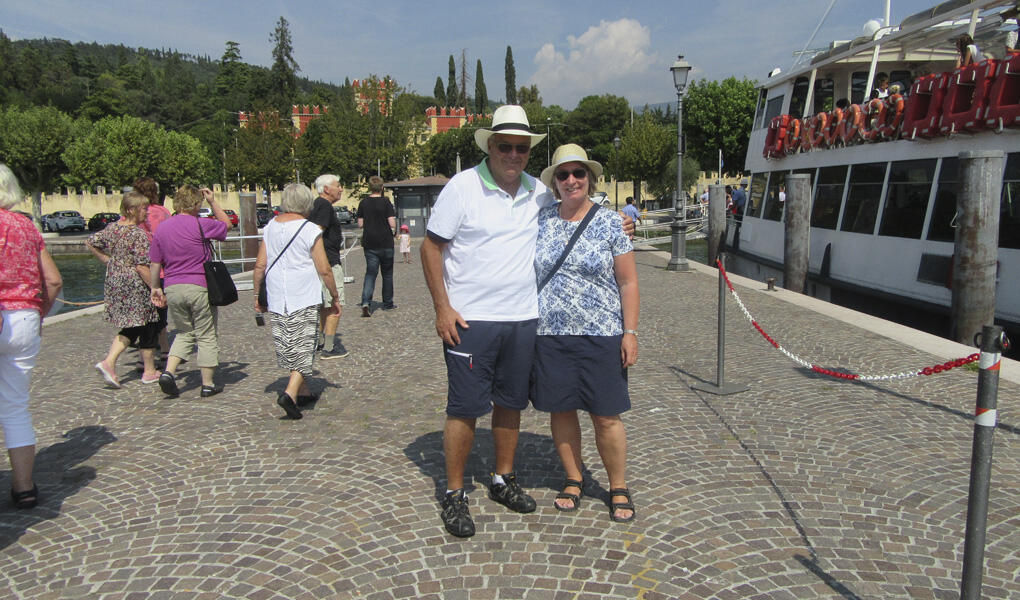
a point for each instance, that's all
(509, 119)
(565, 154)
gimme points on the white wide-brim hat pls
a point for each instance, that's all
(509, 119)
(565, 154)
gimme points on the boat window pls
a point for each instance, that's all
(758, 181)
(858, 81)
(775, 199)
(906, 200)
(828, 197)
(943, 216)
(824, 92)
(799, 97)
(1009, 212)
(862, 198)
(759, 117)
(773, 108)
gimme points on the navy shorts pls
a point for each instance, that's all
(490, 366)
(580, 372)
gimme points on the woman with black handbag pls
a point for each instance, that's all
(180, 247)
(293, 248)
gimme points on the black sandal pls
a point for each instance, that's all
(615, 506)
(575, 498)
(27, 499)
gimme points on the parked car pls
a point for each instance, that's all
(206, 212)
(101, 220)
(63, 220)
(346, 217)
(600, 198)
(234, 219)
(262, 216)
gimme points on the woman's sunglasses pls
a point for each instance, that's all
(578, 174)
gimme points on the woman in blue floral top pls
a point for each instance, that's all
(587, 327)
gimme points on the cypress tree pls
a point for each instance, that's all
(481, 96)
(439, 92)
(511, 77)
(451, 87)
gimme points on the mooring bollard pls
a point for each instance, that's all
(993, 342)
(719, 388)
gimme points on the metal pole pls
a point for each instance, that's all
(678, 249)
(976, 244)
(992, 344)
(719, 388)
(716, 220)
(797, 241)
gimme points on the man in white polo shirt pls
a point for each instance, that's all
(478, 260)
(478, 257)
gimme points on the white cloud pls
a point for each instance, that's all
(606, 53)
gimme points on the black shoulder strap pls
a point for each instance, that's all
(287, 246)
(570, 244)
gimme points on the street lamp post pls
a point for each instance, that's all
(616, 172)
(678, 252)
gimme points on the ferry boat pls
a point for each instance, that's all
(884, 171)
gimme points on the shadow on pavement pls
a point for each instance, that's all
(57, 478)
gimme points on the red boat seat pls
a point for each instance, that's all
(1004, 95)
(963, 108)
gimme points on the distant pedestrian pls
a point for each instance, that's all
(631, 211)
(155, 215)
(740, 199)
(181, 247)
(29, 284)
(378, 221)
(292, 251)
(324, 215)
(405, 243)
(124, 248)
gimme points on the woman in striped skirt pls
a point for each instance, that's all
(292, 260)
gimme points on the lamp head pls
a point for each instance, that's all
(680, 69)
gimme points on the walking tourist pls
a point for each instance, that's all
(378, 220)
(156, 214)
(297, 270)
(323, 215)
(581, 356)
(180, 247)
(405, 243)
(124, 248)
(29, 284)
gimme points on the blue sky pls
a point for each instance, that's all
(569, 50)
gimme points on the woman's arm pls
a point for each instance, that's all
(625, 270)
(102, 256)
(258, 273)
(51, 280)
(215, 206)
(156, 295)
(143, 272)
(325, 272)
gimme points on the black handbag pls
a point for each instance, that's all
(218, 281)
(263, 293)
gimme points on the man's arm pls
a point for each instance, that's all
(447, 319)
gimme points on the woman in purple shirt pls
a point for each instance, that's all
(179, 246)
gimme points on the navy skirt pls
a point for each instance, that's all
(579, 372)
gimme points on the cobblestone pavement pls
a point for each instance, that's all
(801, 487)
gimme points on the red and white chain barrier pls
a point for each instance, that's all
(959, 362)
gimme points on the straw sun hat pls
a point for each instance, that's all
(508, 119)
(565, 154)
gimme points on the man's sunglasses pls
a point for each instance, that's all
(578, 174)
(505, 148)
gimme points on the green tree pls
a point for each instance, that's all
(285, 68)
(451, 86)
(439, 92)
(232, 79)
(114, 151)
(718, 115)
(529, 95)
(440, 152)
(481, 96)
(32, 142)
(262, 152)
(595, 122)
(510, 75)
